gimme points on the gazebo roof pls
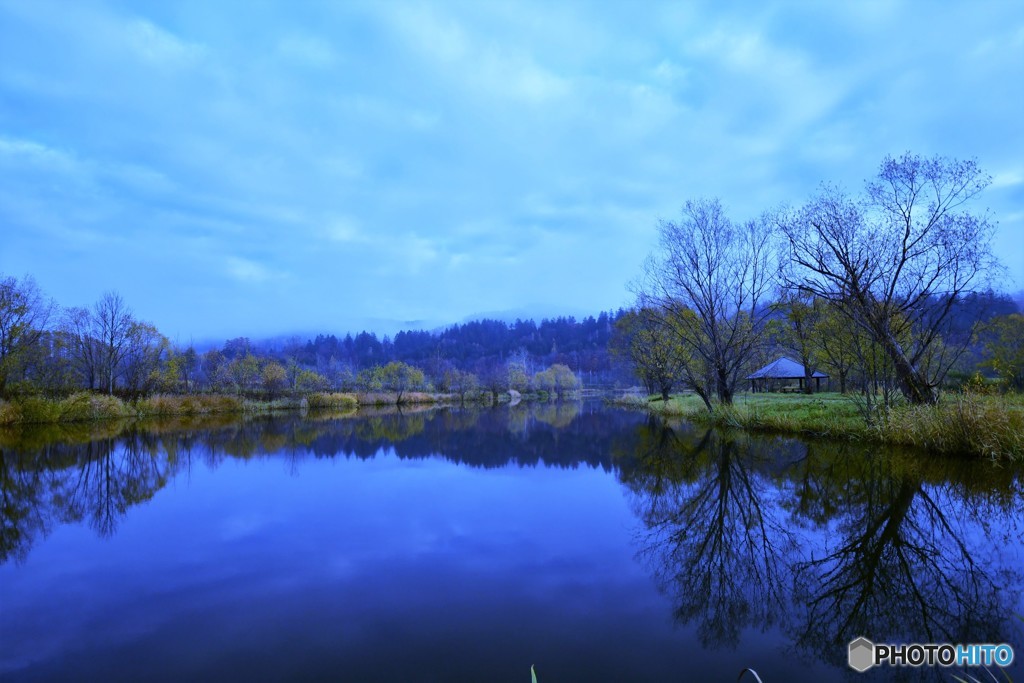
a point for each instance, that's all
(783, 368)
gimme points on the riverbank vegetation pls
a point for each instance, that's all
(49, 350)
(87, 406)
(961, 424)
(64, 365)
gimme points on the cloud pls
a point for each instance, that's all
(307, 50)
(767, 84)
(345, 230)
(19, 152)
(1007, 177)
(452, 157)
(485, 67)
(671, 74)
(250, 272)
(159, 46)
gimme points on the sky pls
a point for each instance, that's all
(265, 168)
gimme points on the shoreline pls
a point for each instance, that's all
(962, 425)
(86, 406)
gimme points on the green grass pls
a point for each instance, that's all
(963, 424)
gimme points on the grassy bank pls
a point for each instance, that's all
(84, 406)
(961, 425)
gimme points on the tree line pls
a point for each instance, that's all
(47, 350)
(889, 291)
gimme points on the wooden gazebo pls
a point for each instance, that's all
(779, 374)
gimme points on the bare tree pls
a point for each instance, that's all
(83, 347)
(711, 280)
(112, 325)
(24, 314)
(100, 340)
(898, 260)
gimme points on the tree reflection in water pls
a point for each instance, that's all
(821, 542)
(828, 542)
(715, 539)
(95, 473)
(96, 482)
(111, 476)
(910, 554)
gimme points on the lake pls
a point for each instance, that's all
(458, 544)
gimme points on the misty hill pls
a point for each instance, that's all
(476, 346)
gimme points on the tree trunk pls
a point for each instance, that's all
(704, 396)
(724, 390)
(913, 385)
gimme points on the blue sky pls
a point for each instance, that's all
(256, 168)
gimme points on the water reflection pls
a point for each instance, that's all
(70, 473)
(910, 555)
(817, 543)
(96, 481)
(716, 541)
(829, 542)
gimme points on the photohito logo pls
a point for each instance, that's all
(863, 654)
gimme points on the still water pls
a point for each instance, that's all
(467, 545)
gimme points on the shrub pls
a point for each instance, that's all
(35, 409)
(161, 405)
(217, 403)
(9, 413)
(966, 424)
(333, 401)
(86, 406)
(376, 398)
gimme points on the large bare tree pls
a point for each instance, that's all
(113, 323)
(711, 280)
(898, 259)
(100, 339)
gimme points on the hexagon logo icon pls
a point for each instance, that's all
(862, 654)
